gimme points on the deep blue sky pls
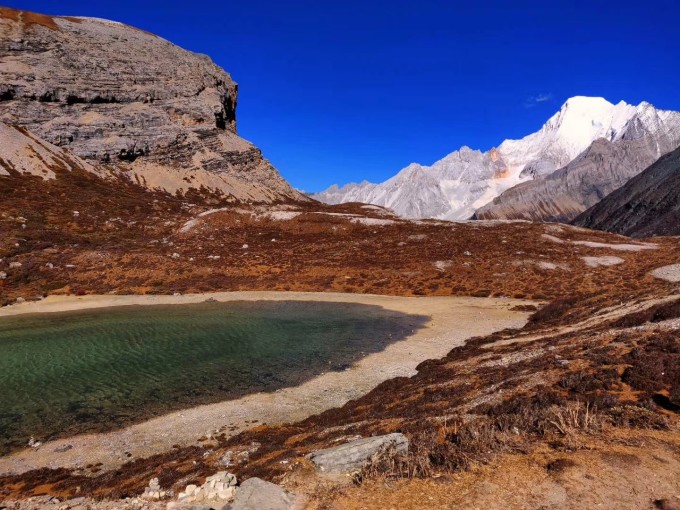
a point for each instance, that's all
(338, 91)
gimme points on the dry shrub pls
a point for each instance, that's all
(559, 465)
(574, 418)
(657, 313)
(638, 417)
(555, 312)
(654, 366)
(458, 446)
(387, 462)
(585, 382)
(441, 448)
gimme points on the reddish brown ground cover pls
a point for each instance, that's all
(598, 362)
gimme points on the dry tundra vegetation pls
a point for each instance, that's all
(578, 407)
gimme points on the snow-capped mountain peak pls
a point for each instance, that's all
(466, 179)
(579, 122)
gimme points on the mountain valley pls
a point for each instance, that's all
(541, 368)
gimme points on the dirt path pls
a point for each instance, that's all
(453, 320)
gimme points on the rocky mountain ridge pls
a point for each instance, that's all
(128, 100)
(468, 182)
(603, 167)
(648, 204)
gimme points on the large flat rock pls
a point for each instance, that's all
(354, 455)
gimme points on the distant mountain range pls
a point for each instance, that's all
(648, 204)
(582, 153)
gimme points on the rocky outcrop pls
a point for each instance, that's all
(354, 455)
(23, 153)
(129, 100)
(649, 204)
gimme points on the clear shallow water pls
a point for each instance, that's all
(94, 370)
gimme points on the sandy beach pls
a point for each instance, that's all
(452, 321)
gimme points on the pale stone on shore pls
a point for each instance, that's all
(669, 273)
(605, 261)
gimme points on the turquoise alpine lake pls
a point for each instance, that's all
(95, 370)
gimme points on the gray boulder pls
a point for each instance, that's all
(256, 494)
(353, 456)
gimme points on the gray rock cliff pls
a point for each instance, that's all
(120, 97)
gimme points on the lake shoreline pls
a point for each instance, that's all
(452, 321)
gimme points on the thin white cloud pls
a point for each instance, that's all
(538, 99)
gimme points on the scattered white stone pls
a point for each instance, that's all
(14, 265)
(49, 265)
(219, 487)
(282, 215)
(373, 221)
(619, 247)
(442, 265)
(76, 213)
(244, 247)
(154, 491)
(552, 238)
(175, 255)
(602, 261)
(3, 275)
(669, 273)
(33, 443)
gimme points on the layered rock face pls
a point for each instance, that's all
(22, 153)
(649, 204)
(121, 97)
